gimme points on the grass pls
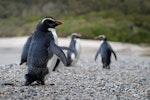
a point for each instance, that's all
(121, 28)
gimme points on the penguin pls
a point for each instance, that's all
(54, 60)
(105, 50)
(39, 49)
(75, 45)
(74, 51)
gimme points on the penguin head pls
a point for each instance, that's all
(76, 35)
(48, 22)
(101, 37)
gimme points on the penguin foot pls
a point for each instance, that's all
(28, 80)
(68, 64)
(105, 67)
(108, 67)
(41, 82)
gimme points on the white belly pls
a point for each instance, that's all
(78, 48)
(54, 34)
(53, 60)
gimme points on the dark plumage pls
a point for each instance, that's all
(105, 50)
(39, 48)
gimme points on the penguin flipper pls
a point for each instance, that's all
(112, 51)
(58, 51)
(114, 54)
(69, 49)
(97, 54)
(56, 65)
(25, 50)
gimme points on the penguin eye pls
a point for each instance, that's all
(49, 23)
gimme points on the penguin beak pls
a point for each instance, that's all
(58, 22)
(79, 35)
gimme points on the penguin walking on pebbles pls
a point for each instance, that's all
(75, 45)
(39, 49)
(74, 51)
(105, 50)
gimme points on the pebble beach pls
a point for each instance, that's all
(127, 79)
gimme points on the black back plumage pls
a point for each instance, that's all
(38, 52)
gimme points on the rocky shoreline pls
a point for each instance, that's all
(128, 79)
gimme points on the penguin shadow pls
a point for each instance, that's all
(12, 84)
(8, 84)
(39, 84)
(20, 84)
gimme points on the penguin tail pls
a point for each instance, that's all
(68, 64)
(22, 61)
